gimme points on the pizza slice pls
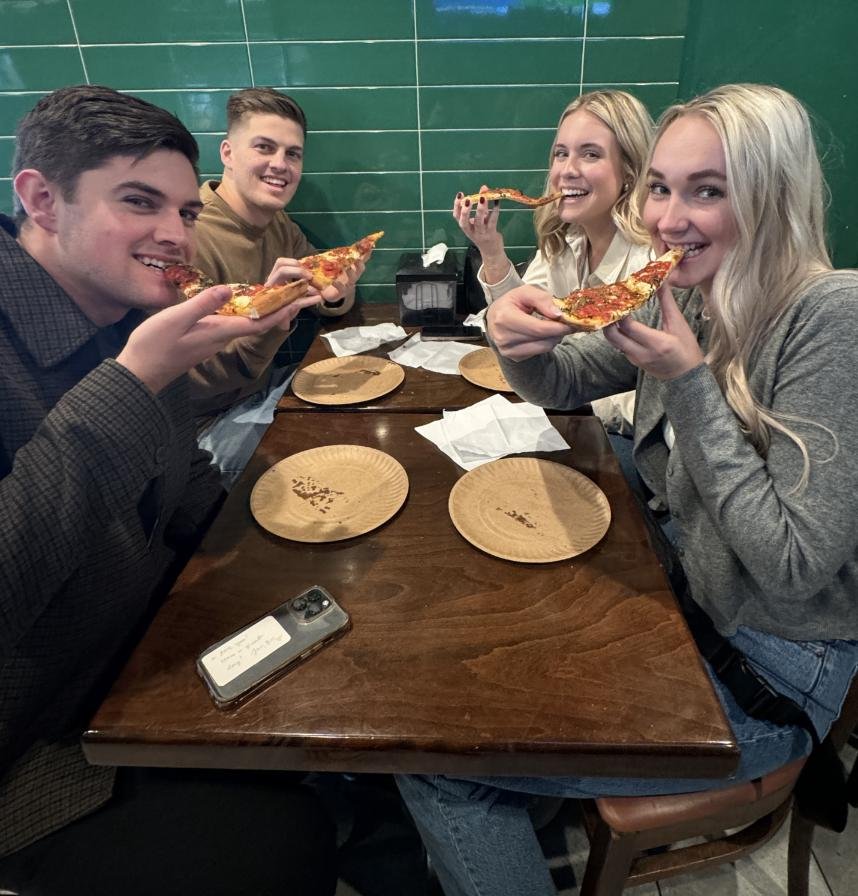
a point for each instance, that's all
(598, 306)
(514, 195)
(325, 267)
(248, 300)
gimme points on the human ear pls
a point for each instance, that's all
(226, 153)
(38, 196)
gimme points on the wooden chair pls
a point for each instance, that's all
(623, 830)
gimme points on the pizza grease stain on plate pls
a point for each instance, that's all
(329, 493)
(348, 380)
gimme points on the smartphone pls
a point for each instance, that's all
(456, 332)
(239, 665)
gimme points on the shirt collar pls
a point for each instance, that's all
(44, 317)
(616, 259)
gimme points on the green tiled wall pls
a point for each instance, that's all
(408, 101)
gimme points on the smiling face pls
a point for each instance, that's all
(587, 166)
(108, 243)
(263, 157)
(687, 201)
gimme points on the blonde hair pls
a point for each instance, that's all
(632, 126)
(777, 193)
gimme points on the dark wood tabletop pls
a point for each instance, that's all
(421, 392)
(457, 662)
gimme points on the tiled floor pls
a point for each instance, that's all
(834, 871)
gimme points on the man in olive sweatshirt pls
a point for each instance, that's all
(245, 235)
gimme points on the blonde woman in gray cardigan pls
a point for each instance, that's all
(745, 427)
(593, 234)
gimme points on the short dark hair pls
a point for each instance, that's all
(263, 100)
(77, 129)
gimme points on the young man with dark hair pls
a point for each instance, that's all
(102, 489)
(245, 235)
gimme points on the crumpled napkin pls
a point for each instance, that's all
(441, 357)
(476, 320)
(492, 428)
(434, 255)
(354, 340)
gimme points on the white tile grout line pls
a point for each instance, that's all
(298, 88)
(247, 45)
(419, 131)
(77, 41)
(583, 48)
(402, 40)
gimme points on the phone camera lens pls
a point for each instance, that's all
(299, 604)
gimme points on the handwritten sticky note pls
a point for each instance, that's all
(245, 650)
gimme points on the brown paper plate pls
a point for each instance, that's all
(482, 369)
(329, 493)
(529, 510)
(347, 380)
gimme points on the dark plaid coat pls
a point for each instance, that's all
(97, 476)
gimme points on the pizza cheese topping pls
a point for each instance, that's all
(325, 267)
(248, 300)
(596, 307)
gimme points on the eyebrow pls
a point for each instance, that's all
(705, 174)
(581, 146)
(143, 187)
(272, 140)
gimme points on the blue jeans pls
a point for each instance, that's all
(233, 436)
(478, 832)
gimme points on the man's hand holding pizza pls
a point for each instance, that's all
(172, 341)
(516, 331)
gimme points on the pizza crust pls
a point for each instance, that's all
(247, 300)
(265, 301)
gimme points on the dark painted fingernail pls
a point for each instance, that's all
(467, 202)
(459, 195)
(482, 200)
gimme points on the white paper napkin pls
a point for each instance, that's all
(263, 411)
(441, 357)
(354, 340)
(434, 255)
(492, 428)
(476, 320)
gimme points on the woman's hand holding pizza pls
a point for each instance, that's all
(665, 353)
(479, 222)
(516, 332)
(175, 339)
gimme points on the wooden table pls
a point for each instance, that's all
(457, 662)
(422, 391)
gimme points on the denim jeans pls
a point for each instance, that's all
(233, 436)
(478, 832)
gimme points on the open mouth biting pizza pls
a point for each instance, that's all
(514, 195)
(598, 306)
(248, 300)
(327, 266)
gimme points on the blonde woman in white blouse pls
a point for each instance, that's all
(592, 235)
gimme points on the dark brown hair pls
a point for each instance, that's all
(77, 129)
(263, 100)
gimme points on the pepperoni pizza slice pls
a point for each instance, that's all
(514, 195)
(248, 300)
(327, 266)
(598, 306)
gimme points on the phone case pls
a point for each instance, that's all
(244, 662)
